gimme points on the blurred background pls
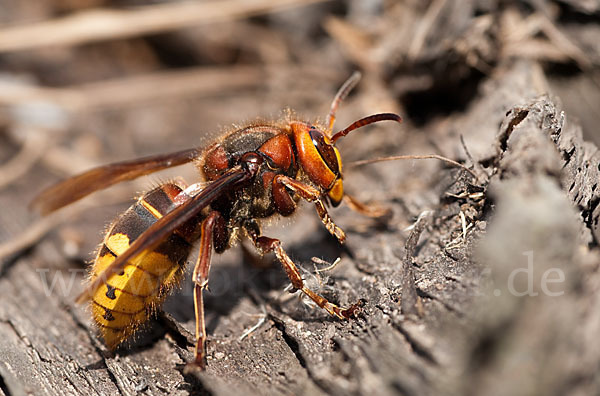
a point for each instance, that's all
(84, 83)
(88, 82)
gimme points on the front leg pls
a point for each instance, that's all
(265, 245)
(311, 194)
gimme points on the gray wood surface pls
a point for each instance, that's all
(466, 332)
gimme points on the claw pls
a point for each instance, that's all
(353, 310)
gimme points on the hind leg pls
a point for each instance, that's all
(212, 229)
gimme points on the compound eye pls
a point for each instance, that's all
(325, 149)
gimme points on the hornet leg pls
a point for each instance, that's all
(265, 245)
(313, 195)
(211, 229)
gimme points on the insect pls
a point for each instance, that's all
(258, 171)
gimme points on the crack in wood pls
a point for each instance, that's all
(182, 337)
(410, 303)
(291, 342)
(4, 387)
(294, 346)
(417, 347)
(24, 340)
(98, 349)
(518, 116)
(425, 294)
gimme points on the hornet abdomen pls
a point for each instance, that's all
(128, 298)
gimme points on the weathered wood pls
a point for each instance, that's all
(466, 332)
(449, 309)
(468, 340)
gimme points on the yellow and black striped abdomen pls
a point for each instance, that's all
(127, 299)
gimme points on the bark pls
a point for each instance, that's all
(472, 325)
